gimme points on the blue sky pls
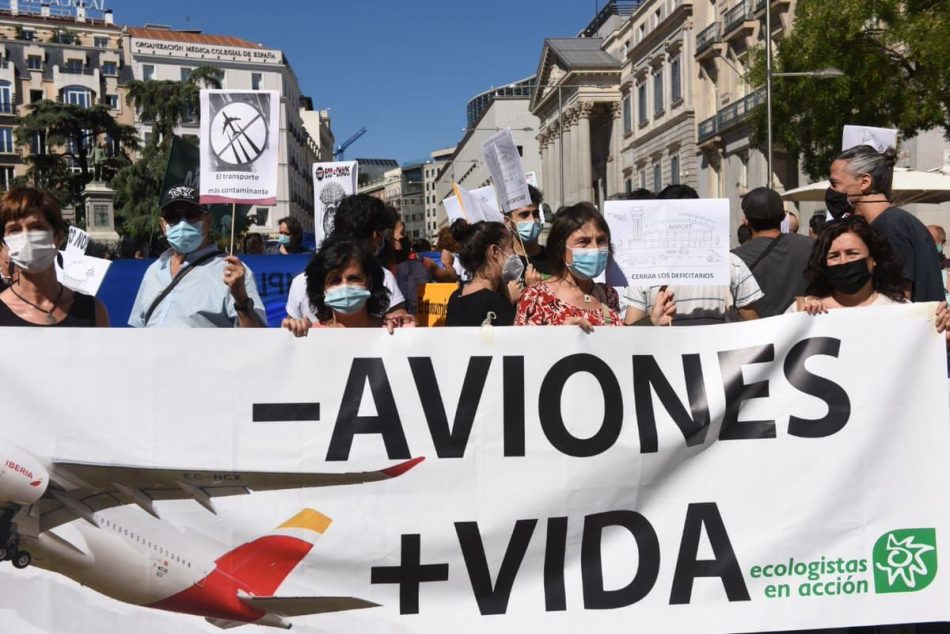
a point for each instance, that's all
(403, 69)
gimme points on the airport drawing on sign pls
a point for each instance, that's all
(669, 242)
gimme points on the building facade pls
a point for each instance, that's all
(165, 54)
(404, 190)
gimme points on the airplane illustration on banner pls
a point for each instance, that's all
(54, 514)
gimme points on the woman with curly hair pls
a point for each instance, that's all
(851, 265)
(345, 288)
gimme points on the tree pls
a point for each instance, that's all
(63, 136)
(896, 62)
(166, 104)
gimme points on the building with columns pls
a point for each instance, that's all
(578, 106)
(658, 112)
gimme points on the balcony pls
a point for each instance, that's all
(730, 116)
(84, 76)
(739, 21)
(781, 5)
(706, 41)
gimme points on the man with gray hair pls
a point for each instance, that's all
(860, 182)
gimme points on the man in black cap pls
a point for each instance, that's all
(777, 260)
(193, 284)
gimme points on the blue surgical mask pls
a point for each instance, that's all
(588, 263)
(346, 299)
(529, 230)
(185, 236)
(283, 239)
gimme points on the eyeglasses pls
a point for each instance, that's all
(173, 215)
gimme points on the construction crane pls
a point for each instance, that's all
(340, 149)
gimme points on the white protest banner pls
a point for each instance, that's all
(784, 473)
(332, 182)
(878, 138)
(507, 171)
(453, 208)
(82, 272)
(669, 242)
(77, 241)
(532, 179)
(240, 132)
(488, 202)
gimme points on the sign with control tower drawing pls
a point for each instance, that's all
(676, 242)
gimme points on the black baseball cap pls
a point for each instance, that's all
(179, 194)
(763, 203)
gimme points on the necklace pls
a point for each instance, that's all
(49, 313)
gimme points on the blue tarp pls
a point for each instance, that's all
(273, 274)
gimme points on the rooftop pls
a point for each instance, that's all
(192, 37)
(581, 53)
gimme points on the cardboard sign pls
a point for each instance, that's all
(433, 304)
(332, 182)
(878, 138)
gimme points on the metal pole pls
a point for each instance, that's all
(768, 90)
(560, 141)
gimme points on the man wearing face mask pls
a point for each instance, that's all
(193, 284)
(526, 223)
(861, 179)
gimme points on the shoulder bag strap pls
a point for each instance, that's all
(178, 278)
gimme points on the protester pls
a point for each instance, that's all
(193, 284)
(861, 179)
(6, 268)
(743, 234)
(488, 250)
(816, 223)
(32, 227)
(940, 239)
(792, 222)
(289, 237)
(254, 244)
(852, 265)
(640, 194)
(448, 248)
(526, 222)
(345, 288)
(578, 247)
(777, 260)
(697, 305)
(364, 219)
(411, 273)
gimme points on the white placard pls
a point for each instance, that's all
(878, 138)
(670, 241)
(82, 273)
(507, 170)
(453, 209)
(734, 478)
(78, 240)
(332, 182)
(532, 179)
(240, 136)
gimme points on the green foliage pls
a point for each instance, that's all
(165, 104)
(69, 133)
(896, 59)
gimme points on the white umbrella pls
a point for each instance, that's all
(909, 186)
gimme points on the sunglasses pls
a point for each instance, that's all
(174, 215)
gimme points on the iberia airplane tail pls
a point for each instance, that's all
(241, 588)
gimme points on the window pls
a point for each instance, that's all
(77, 96)
(6, 140)
(36, 95)
(185, 74)
(100, 42)
(675, 170)
(110, 68)
(73, 66)
(256, 81)
(148, 72)
(38, 143)
(627, 114)
(6, 178)
(676, 88)
(658, 92)
(657, 178)
(642, 102)
(628, 185)
(34, 62)
(112, 101)
(6, 98)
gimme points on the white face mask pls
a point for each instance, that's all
(31, 251)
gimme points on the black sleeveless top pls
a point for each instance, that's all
(82, 314)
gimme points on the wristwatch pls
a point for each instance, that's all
(244, 307)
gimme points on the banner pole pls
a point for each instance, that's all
(233, 222)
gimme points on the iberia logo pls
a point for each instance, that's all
(905, 560)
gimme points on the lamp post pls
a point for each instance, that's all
(824, 73)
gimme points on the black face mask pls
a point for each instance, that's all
(838, 204)
(849, 278)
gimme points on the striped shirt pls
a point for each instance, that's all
(701, 305)
(200, 300)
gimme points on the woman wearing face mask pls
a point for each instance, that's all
(6, 268)
(852, 265)
(345, 288)
(32, 227)
(578, 247)
(487, 250)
